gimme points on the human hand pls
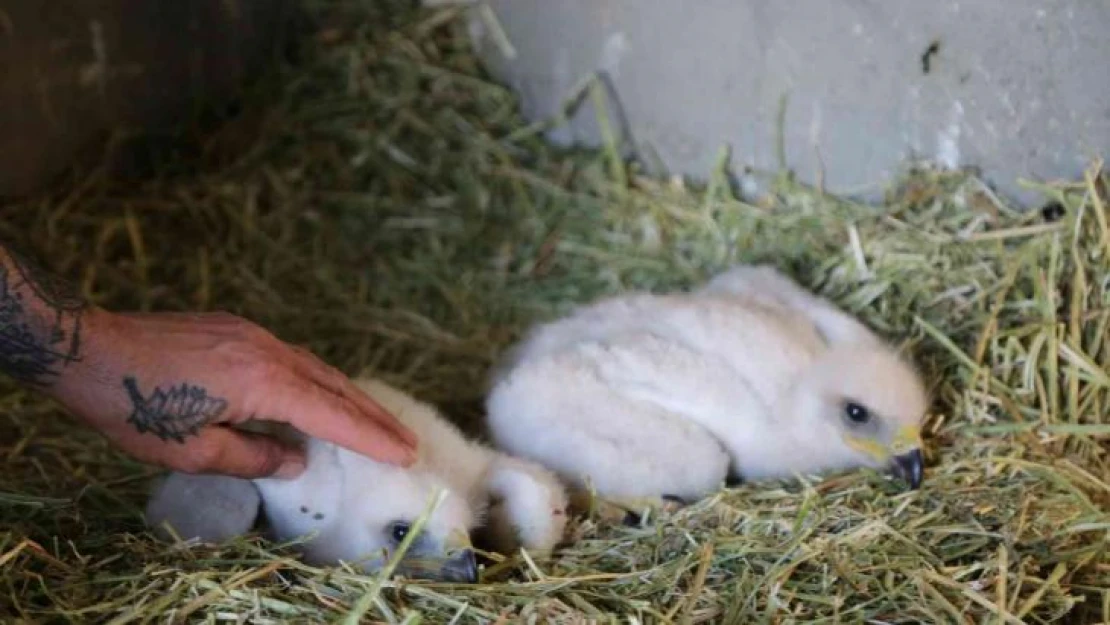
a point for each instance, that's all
(164, 387)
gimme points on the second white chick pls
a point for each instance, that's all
(647, 397)
(348, 507)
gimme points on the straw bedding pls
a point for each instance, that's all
(382, 203)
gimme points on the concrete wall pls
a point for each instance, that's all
(1020, 88)
(72, 71)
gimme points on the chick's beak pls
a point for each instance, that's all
(461, 568)
(910, 467)
(460, 565)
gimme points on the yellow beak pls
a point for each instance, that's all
(906, 440)
(903, 455)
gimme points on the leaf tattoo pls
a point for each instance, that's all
(172, 413)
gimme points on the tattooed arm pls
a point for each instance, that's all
(40, 322)
(165, 386)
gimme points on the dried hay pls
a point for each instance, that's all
(394, 213)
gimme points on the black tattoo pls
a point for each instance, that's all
(174, 413)
(40, 322)
(57, 293)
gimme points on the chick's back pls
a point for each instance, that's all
(754, 340)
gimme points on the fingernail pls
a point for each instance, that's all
(290, 469)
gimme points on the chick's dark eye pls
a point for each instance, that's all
(399, 530)
(856, 413)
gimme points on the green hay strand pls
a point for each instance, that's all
(385, 205)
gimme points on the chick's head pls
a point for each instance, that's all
(867, 404)
(377, 524)
(351, 508)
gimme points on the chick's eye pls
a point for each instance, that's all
(399, 530)
(856, 413)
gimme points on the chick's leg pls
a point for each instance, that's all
(532, 505)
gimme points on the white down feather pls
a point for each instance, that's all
(348, 507)
(646, 395)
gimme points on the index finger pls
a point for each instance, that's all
(333, 380)
(327, 416)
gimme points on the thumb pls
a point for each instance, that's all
(225, 451)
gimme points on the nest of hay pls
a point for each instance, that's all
(386, 207)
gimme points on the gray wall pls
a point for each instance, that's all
(1020, 88)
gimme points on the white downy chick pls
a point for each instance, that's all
(348, 507)
(650, 396)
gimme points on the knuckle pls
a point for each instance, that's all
(265, 372)
(307, 354)
(314, 365)
(238, 352)
(255, 333)
(239, 326)
(224, 316)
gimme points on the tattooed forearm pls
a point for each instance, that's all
(173, 412)
(40, 321)
(60, 295)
